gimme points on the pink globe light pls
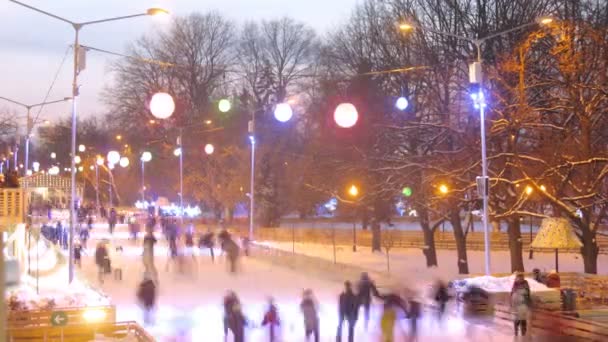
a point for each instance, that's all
(209, 149)
(162, 105)
(346, 115)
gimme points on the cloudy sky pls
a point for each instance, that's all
(33, 45)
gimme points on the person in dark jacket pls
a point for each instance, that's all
(365, 289)
(102, 260)
(348, 310)
(146, 294)
(231, 308)
(206, 241)
(441, 299)
(271, 319)
(84, 237)
(112, 220)
(308, 306)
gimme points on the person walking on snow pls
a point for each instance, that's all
(271, 318)
(308, 306)
(102, 260)
(348, 310)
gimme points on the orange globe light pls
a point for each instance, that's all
(162, 105)
(353, 191)
(346, 115)
(444, 189)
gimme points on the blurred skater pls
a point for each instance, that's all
(112, 220)
(348, 310)
(520, 304)
(271, 319)
(206, 241)
(366, 288)
(234, 320)
(308, 306)
(102, 260)
(414, 310)
(146, 294)
(441, 299)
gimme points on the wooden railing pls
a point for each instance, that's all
(555, 324)
(402, 238)
(79, 332)
(11, 206)
(73, 316)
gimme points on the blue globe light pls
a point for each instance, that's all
(401, 103)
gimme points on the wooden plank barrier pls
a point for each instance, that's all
(545, 322)
(79, 332)
(74, 316)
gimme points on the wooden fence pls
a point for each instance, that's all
(402, 238)
(11, 207)
(79, 332)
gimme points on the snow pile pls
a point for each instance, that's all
(497, 284)
(77, 294)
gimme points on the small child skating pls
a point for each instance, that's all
(271, 319)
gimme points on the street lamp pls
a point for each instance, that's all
(401, 103)
(283, 112)
(443, 189)
(346, 115)
(30, 123)
(224, 105)
(353, 191)
(113, 157)
(145, 157)
(476, 78)
(79, 65)
(123, 162)
(81, 148)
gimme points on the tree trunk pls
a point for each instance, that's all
(429, 251)
(376, 237)
(461, 241)
(515, 244)
(589, 250)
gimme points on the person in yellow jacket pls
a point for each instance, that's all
(387, 322)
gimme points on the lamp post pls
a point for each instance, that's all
(98, 162)
(353, 191)
(475, 73)
(145, 157)
(79, 65)
(30, 124)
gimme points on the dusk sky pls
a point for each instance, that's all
(33, 45)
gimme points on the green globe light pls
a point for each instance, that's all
(407, 191)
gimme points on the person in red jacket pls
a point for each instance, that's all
(271, 318)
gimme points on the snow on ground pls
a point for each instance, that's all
(405, 263)
(190, 305)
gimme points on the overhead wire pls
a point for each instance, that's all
(46, 97)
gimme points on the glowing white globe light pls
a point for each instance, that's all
(346, 115)
(81, 148)
(124, 162)
(36, 166)
(80, 169)
(401, 103)
(209, 149)
(283, 112)
(224, 105)
(53, 155)
(77, 159)
(162, 105)
(99, 160)
(146, 156)
(113, 157)
(177, 152)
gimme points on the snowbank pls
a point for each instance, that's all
(497, 284)
(77, 294)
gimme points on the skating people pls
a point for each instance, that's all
(414, 311)
(148, 255)
(308, 306)
(271, 319)
(520, 304)
(102, 260)
(348, 310)
(112, 220)
(77, 254)
(387, 322)
(206, 241)
(234, 320)
(231, 249)
(365, 289)
(441, 299)
(84, 237)
(146, 294)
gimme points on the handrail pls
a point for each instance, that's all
(84, 332)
